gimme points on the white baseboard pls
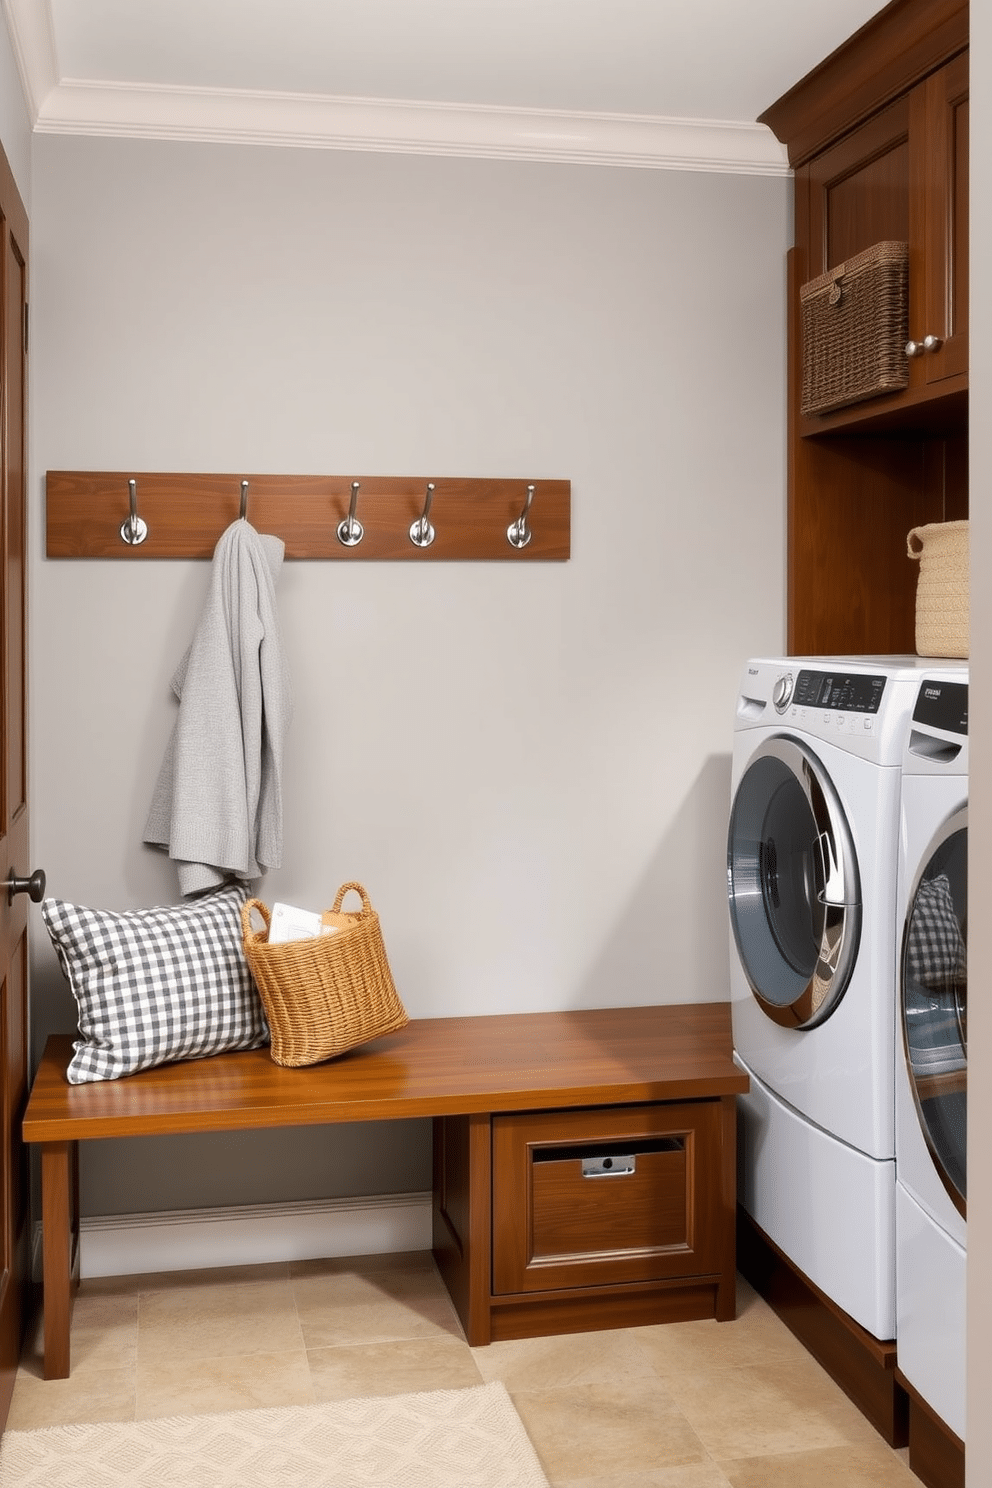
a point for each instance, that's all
(251, 1235)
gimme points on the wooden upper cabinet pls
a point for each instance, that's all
(877, 136)
(903, 174)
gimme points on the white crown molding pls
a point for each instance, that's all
(32, 39)
(61, 105)
(418, 128)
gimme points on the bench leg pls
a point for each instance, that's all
(58, 1190)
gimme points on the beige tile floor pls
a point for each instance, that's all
(683, 1405)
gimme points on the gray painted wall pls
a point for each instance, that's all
(527, 767)
(752, 624)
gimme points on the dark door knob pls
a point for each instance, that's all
(34, 886)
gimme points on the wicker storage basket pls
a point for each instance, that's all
(942, 589)
(326, 995)
(854, 324)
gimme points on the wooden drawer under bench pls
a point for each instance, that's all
(601, 1218)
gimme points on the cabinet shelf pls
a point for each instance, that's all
(898, 417)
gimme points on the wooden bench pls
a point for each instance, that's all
(526, 1107)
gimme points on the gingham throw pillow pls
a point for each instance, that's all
(156, 985)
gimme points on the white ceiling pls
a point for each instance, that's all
(639, 82)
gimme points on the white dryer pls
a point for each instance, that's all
(931, 1060)
(812, 863)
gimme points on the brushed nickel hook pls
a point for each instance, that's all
(518, 533)
(134, 530)
(244, 500)
(351, 531)
(422, 533)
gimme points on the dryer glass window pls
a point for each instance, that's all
(792, 883)
(935, 1006)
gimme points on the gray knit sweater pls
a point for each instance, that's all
(217, 806)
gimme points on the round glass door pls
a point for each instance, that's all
(792, 880)
(935, 1002)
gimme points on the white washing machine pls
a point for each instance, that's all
(812, 867)
(931, 1058)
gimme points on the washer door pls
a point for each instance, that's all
(934, 1001)
(792, 879)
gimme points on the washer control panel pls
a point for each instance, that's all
(833, 692)
(862, 705)
(839, 692)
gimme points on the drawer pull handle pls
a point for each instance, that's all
(609, 1167)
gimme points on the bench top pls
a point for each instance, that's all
(433, 1067)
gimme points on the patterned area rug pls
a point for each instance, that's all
(441, 1439)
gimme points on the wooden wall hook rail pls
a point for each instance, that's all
(185, 515)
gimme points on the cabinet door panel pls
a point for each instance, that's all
(946, 219)
(859, 190)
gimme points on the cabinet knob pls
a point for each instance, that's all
(929, 343)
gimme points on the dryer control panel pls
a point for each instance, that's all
(942, 705)
(938, 734)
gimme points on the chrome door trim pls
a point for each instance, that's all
(830, 884)
(953, 1077)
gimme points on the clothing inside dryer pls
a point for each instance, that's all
(935, 1006)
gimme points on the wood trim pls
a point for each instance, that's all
(574, 1310)
(894, 50)
(726, 1218)
(863, 1366)
(936, 1453)
(14, 757)
(797, 274)
(186, 514)
(13, 208)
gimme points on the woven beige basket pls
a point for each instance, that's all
(324, 996)
(854, 324)
(942, 589)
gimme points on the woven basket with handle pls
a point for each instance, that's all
(854, 327)
(326, 995)
(942, 589)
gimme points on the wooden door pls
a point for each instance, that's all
(944, 224)
(14, 1226)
